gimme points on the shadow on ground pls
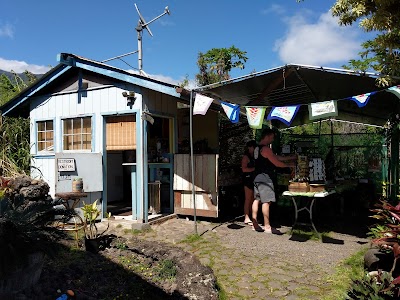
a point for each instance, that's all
(235, 226)
(326, 220)
(91, 276)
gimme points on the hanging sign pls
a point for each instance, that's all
(66, 164)
(231, 110)
(201, 104)
(255, 116)
(284, 114)
(395, 90)
(362, 100)
(321, 110)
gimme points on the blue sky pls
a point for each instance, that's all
(273, 32)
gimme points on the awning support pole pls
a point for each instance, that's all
(333, 152)
(385, 169)
(192, 160)
(394, 170)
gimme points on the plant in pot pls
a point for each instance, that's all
(26, 236)
(383, 283)
(94, 238)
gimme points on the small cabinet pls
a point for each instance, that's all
(205, 182)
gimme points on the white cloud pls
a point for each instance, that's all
(167, 79)
(7, 30)
(164, 78)
(320, 43)
(21, 66)
(274, 9)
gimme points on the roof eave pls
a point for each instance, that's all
(112, 72)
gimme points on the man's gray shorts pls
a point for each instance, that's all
(264, 188)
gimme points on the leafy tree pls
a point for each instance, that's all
(381, 53)
(215, 64)
(11, 86)
(7, 89)
(185, 82)
(14, 132)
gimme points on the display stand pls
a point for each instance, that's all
(310, 197)
(73, 223)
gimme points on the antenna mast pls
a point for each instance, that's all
(142, 24)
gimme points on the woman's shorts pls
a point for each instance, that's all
(264, 188)
(248, 180)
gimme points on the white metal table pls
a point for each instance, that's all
(308, 206)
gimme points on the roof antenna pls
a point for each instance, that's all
(142, 24)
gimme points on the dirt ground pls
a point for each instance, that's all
(127, 269)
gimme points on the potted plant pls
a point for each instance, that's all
(26, 236)
(93, 236)
(383, 283)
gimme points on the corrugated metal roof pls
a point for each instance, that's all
(299, 84)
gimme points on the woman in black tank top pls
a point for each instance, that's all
(248, 167)
(266, 163)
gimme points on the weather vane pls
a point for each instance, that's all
(142, 24)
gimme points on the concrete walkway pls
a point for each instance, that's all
(253, 265)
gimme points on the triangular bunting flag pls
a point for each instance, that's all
(201, 104)
(362, 100)
(255, 116)
(322, 110)
(285, 113)
(395, 90)
(231, 110)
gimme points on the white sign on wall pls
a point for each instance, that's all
(66, 164)
(88, 166)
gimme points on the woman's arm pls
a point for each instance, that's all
(287, 158)
(267, 153)
(245, 161)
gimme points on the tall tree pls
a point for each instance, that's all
(11, 86)
(14, 132)
(215, 64)
(382, 53)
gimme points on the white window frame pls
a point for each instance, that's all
(81, 133)
(45, 150)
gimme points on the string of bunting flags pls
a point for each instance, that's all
(286, 114)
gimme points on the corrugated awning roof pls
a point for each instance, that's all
(299, 84)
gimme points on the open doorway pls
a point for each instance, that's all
(160, 146)
(121, 161)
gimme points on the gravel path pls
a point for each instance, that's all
(330, 251)
(254, 265)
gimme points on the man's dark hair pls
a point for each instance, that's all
(251, 143)
(265, 132)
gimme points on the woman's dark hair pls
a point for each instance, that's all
(251, 143)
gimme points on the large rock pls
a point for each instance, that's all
(33, 192)
(18, 182)
(30, 189)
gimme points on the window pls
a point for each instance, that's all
(77, 134)
(45, 136)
